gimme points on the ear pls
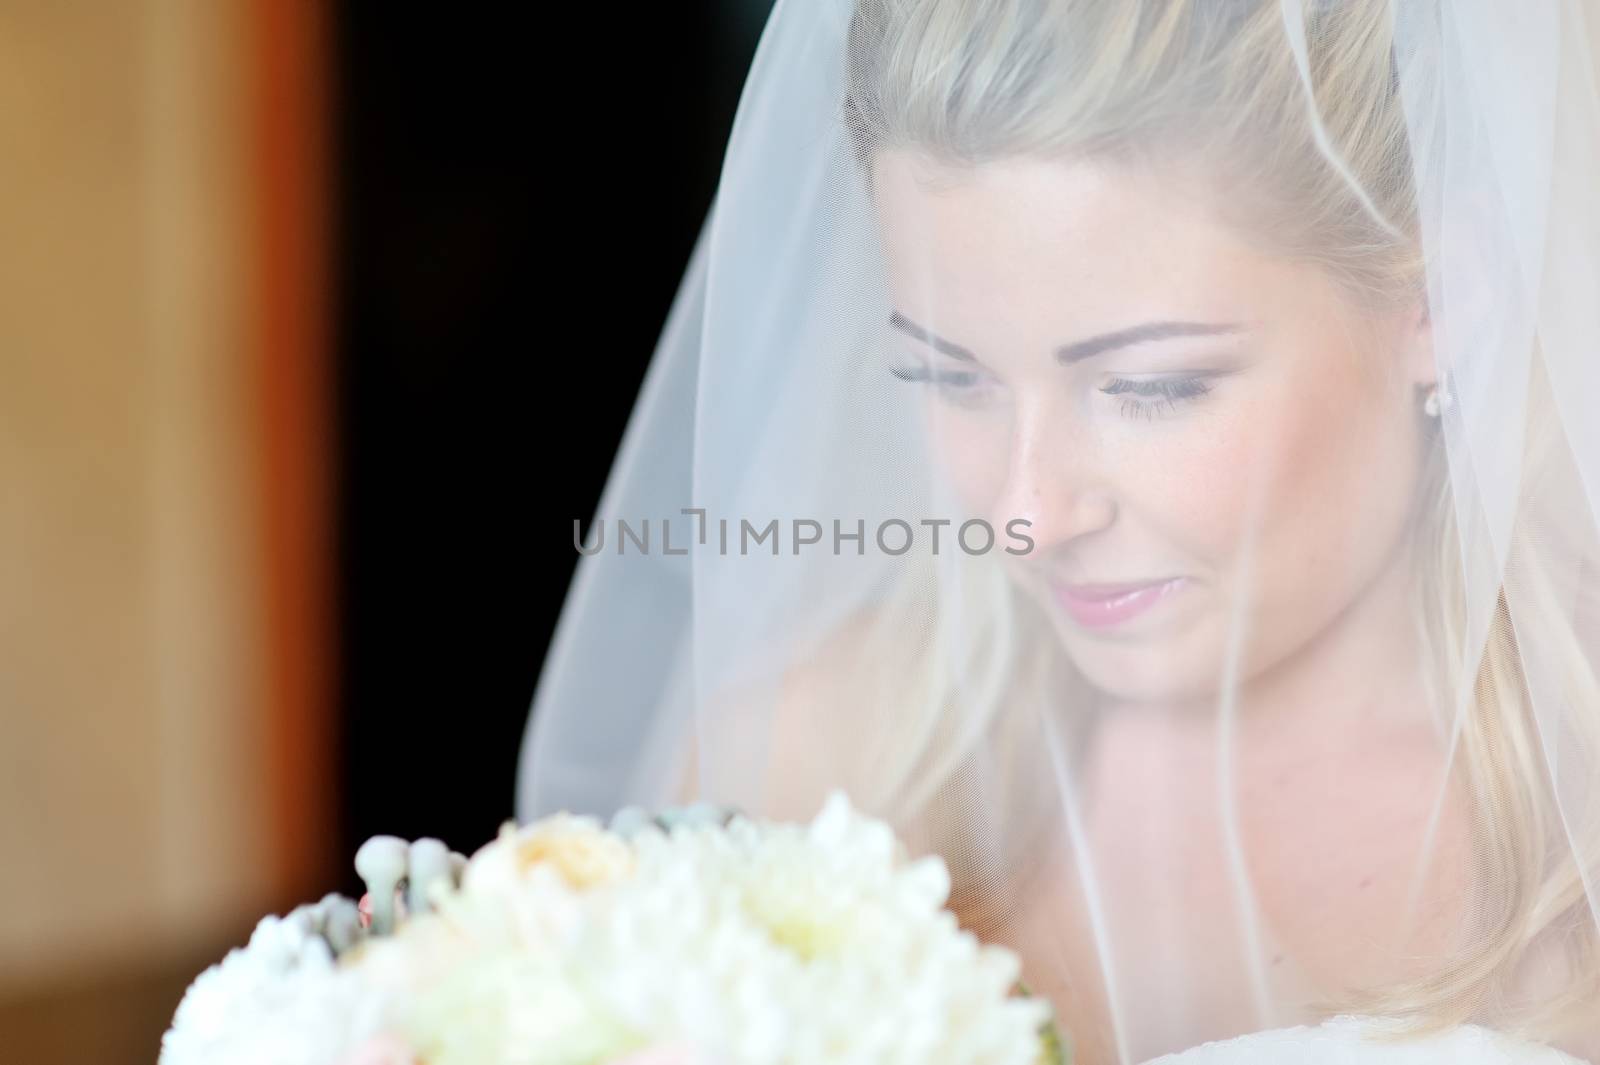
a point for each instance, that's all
(1416, 326)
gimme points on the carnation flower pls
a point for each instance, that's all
(282, 1000)
(576, 847)
(701, 943)
(756, 944)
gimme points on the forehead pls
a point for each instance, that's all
(1087, 244)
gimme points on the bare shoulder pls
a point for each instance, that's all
(793, 720)
(1585, 1046)
(821, 716)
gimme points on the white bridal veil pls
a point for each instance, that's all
(789, 587)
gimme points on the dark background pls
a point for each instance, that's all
(519, 189)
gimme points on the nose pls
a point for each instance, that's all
(1055, 481)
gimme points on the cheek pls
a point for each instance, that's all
(1350, 471)
(1199, 492)
(973, 449)
(1192, 490)
(1317, 488)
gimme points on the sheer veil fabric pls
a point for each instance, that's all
(1144, 450)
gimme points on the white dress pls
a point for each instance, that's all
(1359, 1041)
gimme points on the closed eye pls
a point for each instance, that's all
(927, 375)
(1146, 397)
(1173, 388)
(969, 389)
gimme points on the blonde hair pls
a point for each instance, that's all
(1180, 82)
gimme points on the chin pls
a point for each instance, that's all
(1181, 667)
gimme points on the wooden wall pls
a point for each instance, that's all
(163, 544)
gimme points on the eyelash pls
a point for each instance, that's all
(1145, 398)
(1158, 395)
(923, 375)
(961, 383)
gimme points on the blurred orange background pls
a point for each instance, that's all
(165, 633)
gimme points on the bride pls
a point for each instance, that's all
(1142, 448)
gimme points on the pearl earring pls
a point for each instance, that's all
(1436, 401)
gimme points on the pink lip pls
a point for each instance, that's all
(1100, 606)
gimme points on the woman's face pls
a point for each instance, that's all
(1201, 434)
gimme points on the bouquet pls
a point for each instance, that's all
(694, 939)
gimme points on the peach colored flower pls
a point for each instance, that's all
(582, 853)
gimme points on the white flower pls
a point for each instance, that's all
(744, 944)
(755, 944)
(281, 1000)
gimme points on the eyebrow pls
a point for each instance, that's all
(937, 343)
(1082, 349)
(1139, 334)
